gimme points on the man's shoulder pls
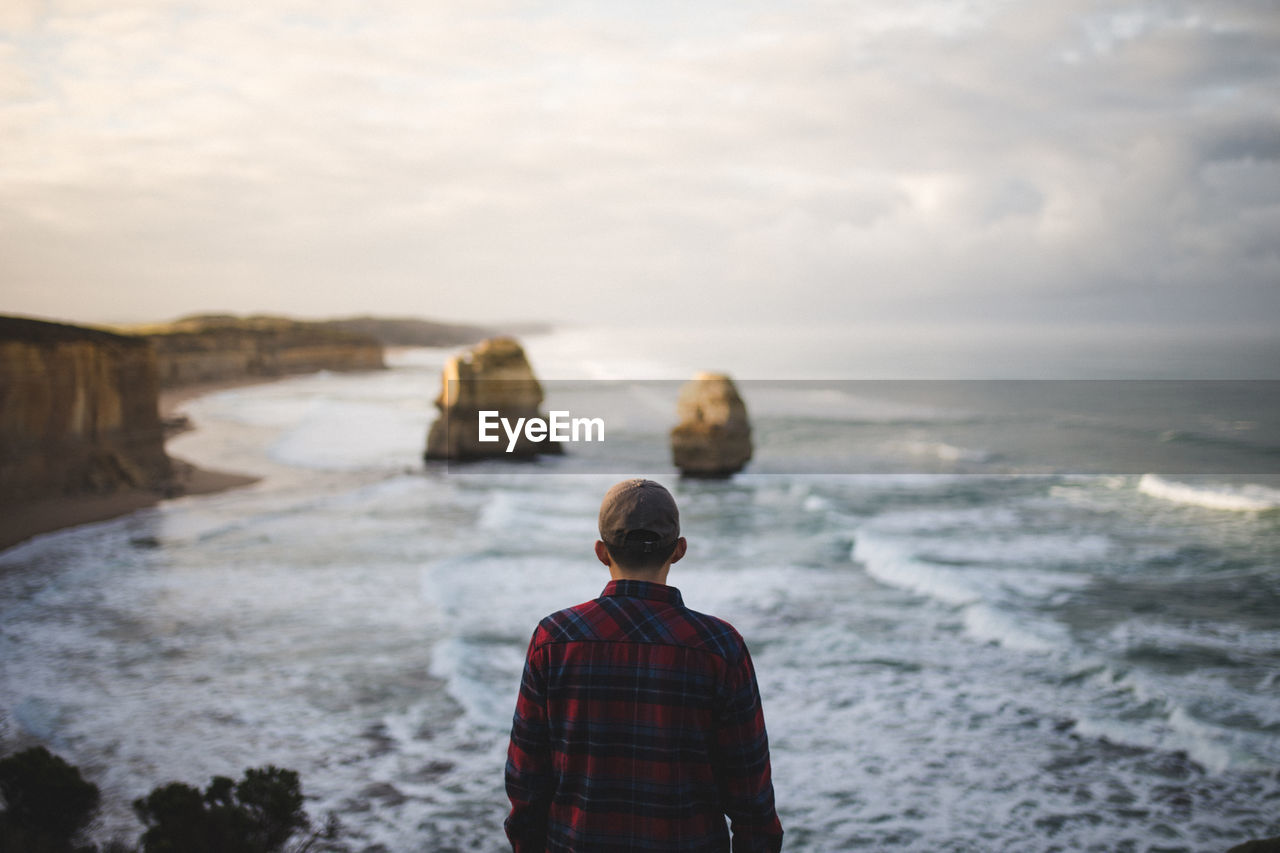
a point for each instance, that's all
(567, 622)
(608, 619)
(716, 633)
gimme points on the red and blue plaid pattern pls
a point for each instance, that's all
(638, 728)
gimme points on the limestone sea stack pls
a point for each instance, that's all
(713, 437)
(493, 376)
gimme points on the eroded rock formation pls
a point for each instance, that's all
(713, 436)
(496, 376)
(78, 412)
(216, 348)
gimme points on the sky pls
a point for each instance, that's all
(1034, 164)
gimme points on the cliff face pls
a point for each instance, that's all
(78, 412)
(216, 348)
(410, 332)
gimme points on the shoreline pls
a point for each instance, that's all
(26, 520)
(171, 399)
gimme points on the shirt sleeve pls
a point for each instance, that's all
(528, 772)
(743, 771)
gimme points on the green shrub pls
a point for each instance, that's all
(258, 814)
(47, 802)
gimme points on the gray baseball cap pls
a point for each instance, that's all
(635, 506)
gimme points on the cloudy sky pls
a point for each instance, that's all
(992, 161)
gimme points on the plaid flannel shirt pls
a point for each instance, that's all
(638, 728)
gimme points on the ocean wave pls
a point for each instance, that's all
(479, 673)
(1215, 748)
(1250, 498)
(1235, 642)
(990, 624)
(936, 520)
(351, 436)
(947, 452)
(979, 593)
(1019, 550)
(1217, 725)
(1234, 437)
(1215, 757)
(895, 566)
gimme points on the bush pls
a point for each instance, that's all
(256, 815)
(47, 801)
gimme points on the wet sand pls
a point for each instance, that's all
(21, 522)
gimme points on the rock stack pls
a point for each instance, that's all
(493, 376)
(713, 437)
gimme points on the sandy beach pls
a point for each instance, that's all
(20, 523)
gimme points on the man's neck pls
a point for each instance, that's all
(620, 574)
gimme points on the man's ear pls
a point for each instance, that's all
(602, 553)
(681, 547)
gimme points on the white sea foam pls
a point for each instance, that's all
(1215, 748)
(936, 520)
(985, 622)
(1176, 715)
(1021, 550)
(1215, 693)
(352, 436)
(989, 597)
(479, 675)
(1147, 735)
(1250, 498)
(484, 595)
(1240, 642)
(894, 565)
(987, 555)
(947, 452)
(816, 503)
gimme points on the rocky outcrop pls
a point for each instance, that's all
(78, 412)
(218, 348)
(713, 436)
(493, 376)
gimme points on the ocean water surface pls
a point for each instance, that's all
(952, 656)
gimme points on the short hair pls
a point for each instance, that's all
(629, 556)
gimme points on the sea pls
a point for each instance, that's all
(993, 604)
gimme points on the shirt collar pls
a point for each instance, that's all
(644, 589)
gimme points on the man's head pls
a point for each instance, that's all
(639, 528)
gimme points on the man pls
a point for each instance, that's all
(638, 726)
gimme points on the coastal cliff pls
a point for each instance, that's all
(217, 348)
(416, 332)
(78, 412)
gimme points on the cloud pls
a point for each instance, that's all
(601, 160)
